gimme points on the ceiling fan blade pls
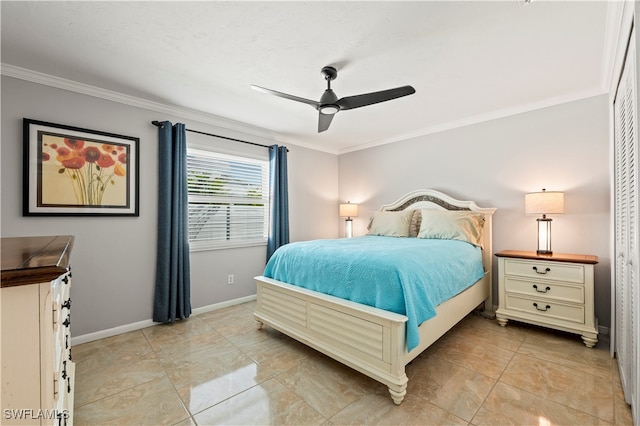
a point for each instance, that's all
(314, 104)
(323, 121)
(358, 101)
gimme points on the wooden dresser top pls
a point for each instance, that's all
(558, 257)
(31, 260)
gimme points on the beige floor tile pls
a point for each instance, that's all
(327, 385)
(207, 383)
(193, 349)
(468, 348)
(231, 321)
(218, 368)
(123, 347)
(152, 403)
(507, 405)
(456, 389)
(568, 350)
(489, 333)
(622, 415)
(269, 403)
(186, 422)
(272, 350)
(622, 410)
(378, 409)
(163, 334)
(96, 378)
(257, 337)
(564, 385)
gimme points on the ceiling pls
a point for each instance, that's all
(468, 61)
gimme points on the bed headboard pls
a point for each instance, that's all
(432, 199)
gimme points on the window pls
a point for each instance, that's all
(228, 200)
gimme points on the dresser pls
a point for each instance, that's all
(37, 369)
(555, 291)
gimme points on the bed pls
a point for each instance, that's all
(377, 342)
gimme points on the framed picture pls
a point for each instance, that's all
(69, 171)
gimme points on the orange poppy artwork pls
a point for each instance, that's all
(83, 173)
(79, 171)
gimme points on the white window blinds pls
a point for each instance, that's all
(228, 200)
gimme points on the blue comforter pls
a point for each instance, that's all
(408, 276)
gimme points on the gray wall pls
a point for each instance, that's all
(561, 148)
(114, 257)
(494, 163)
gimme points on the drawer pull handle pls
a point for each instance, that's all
(55, 386)
(535, 268)
(546, 308)
(535, 286)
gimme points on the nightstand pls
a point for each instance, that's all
(553, 291)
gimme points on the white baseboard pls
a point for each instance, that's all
(90, 337)
(603, 330)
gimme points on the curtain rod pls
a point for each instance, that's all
(160, 124)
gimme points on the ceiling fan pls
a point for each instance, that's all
(329, 103)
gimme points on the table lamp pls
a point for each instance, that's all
(545, 202)
(348, 210)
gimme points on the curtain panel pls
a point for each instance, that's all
(279, 207)
(172, 294)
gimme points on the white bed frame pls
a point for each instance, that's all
(368, 339)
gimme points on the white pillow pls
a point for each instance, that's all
(452, 225)
(390, 224)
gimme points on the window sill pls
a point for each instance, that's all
(195, 247)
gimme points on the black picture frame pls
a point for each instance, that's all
(71, 171)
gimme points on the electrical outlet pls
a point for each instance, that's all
(230, 279)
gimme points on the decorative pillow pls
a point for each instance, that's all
(452, 225)
(390, 224)
(414, 226)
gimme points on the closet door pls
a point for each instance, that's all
(626, 229)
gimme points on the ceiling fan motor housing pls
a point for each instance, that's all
(329, 103)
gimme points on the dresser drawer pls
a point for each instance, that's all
(545, 270)
(545, 308)
(548, 290)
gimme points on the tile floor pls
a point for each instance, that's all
(218, 368)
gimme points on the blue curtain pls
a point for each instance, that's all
(279, 214)
(172, 296)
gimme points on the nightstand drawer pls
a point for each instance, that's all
(546, 309)
(547, 290)
(545, 270)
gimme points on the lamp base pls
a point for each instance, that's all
(348, 231)
(544, 236)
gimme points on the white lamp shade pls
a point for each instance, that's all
(545, 202)
(348, 210)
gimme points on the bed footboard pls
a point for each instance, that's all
(369, 340)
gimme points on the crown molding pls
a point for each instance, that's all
(493, 115)
(246, 129)
(97, 92)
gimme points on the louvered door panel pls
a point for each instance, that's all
(621, 197)
(623, 109)
(626, 230)
(633, 253)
